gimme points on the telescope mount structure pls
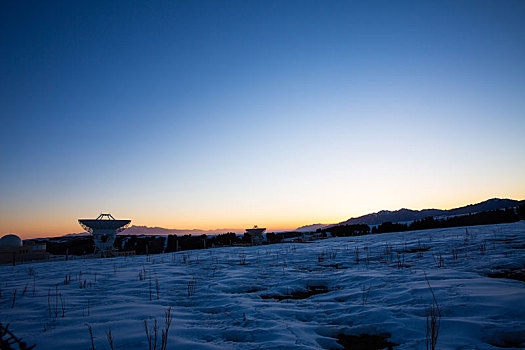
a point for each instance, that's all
(104, 230)
(255, 234)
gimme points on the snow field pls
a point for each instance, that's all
(258, 297)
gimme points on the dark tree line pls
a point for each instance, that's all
(158, 244)
(483, 218)
(70, 245)
(491, 217)
(141, 244)
(346, 230)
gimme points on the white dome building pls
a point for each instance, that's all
(13, 250)
(10, 241)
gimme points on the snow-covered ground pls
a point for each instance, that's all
(242, 297)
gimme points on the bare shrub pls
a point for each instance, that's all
(151, 336)
(433, 315)
(149, 282)
(366, 293)
(367, 259)
(242, 259)
(400, 260)
(8, 339)
(53, 308)
(438, 260)
(49, 302)
(483, 248)
(85, 284)
(62, 306)
(91, 336)
(388, 252)
(143, 273)
(13, 298)
(191, 287)
(88, 309)
(167, 323)
(110, 339)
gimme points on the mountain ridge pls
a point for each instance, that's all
(377, 218)
(405, 215)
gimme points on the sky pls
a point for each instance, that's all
(229, 114)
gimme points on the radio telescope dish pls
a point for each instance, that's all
(104, 230)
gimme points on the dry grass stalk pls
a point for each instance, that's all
(167, 320)
(110, 339)
(13, 298)
(25, 289)
(8, 339)
(191, 287)
(366, 293)
(91, 336)
(151, 336)
(433, 314)
(242, 259)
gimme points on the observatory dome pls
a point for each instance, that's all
(10, 241)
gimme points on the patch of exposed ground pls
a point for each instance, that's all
(310, 291)
(417, 250)
(336, 266)
(513, 274)
(365, 342)
(508, 340)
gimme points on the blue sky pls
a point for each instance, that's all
(197, 114)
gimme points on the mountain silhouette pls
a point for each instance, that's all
(407, 215)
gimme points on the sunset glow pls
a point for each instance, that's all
(206, 115)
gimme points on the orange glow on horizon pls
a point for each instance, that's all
(56, 227)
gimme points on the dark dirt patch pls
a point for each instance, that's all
(509, 340)
(513, 274)
(310, 291)
(336, 266)
(508, 345)
(406, 266)
(254, 290)
(505, 240)
(417, 250)
(365, 342)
